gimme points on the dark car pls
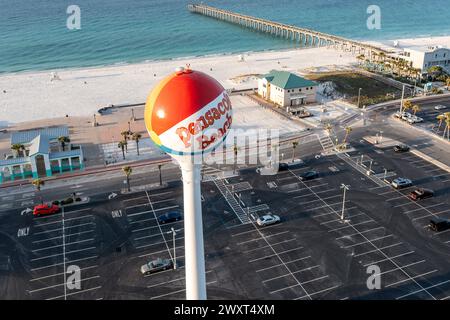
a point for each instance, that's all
(309, 175)
(420, 194)
(401, 148)
(171, 216)
(156, 266)
(439, 225)
(283, 167)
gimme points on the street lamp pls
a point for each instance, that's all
(403, 97)
(174, 233)
(345, 188)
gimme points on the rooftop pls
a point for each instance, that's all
(287, 80)
(28, 135)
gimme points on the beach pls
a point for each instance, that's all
(30, 96)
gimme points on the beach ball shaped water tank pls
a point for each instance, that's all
(188, 113)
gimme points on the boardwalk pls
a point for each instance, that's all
(305, 36)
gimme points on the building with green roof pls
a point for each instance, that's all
(286, 89)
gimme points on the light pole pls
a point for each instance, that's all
(345, 188)
(403, 97)
(359, 96)
(174, 233)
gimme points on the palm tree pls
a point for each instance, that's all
(63, 140)
(441, 118)
(137, 137)
(447, 127)
(127, 170)
(415, 108)
(294, 146)
(38, 183)
(17, 147)
(126, 136)
(447, 83)
(407, 105)
(122, 145)
(347, 132)
(329, 128)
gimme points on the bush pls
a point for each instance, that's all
(56, 202)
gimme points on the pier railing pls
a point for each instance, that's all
(305, 36)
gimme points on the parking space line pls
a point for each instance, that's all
(153, 210)
(429, 215)
(415, 277)
(146, 204)
(355, 234)
(339, 219)
(61, 245)
(178, 291)
(367, 241)
(140, 221)
(154, 244)
(165, 282)
(423, 289)
(403, 267)
(352, 225)
(378, 249)
(262, 238)
(285, 275)
(59, 274)
(69, 227)
(159, 226)
(273, 244)
(309, 195)
(59, 221)
(397, 256)
(62, 284)
(279, 265)
(60, 237)
(60, 254)
(61, 263)
(275, 254)
(317, 292)
(74, 293)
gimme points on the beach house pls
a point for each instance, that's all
(40, 153)
(286, 89)
(424, 57)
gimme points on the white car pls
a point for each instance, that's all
(406, 116)
(267, 220)
(440, 107)
(400, 183)
(414, 119)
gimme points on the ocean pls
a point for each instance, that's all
(34, 36)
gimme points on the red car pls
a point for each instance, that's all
(45, 209)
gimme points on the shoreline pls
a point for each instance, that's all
(31, 95)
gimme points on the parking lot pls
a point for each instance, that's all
(311, 254)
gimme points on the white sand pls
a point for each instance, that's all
(32, 96)
(81, 92)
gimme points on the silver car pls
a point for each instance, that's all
(400, 183)
(440, 107)
(267, 220)
(156, 266)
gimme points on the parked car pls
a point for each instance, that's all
(309, 175)
(267, 220)
(440, 107)
(439, 225)
(401, 183)
(283, 167)
(420, 194)
(156, 266)
(399, 114)
(45, 209)
(406, 116)
(414, 119)
(171, 216)
(401, 148)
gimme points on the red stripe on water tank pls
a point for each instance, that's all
(182, 96)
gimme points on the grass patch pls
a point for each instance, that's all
(348, 84)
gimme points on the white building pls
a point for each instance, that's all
(424, 57)
(286, 89)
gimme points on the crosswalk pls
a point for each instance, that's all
(326, 143)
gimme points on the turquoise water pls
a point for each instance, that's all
(33, 33)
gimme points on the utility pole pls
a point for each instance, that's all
(345, 188)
